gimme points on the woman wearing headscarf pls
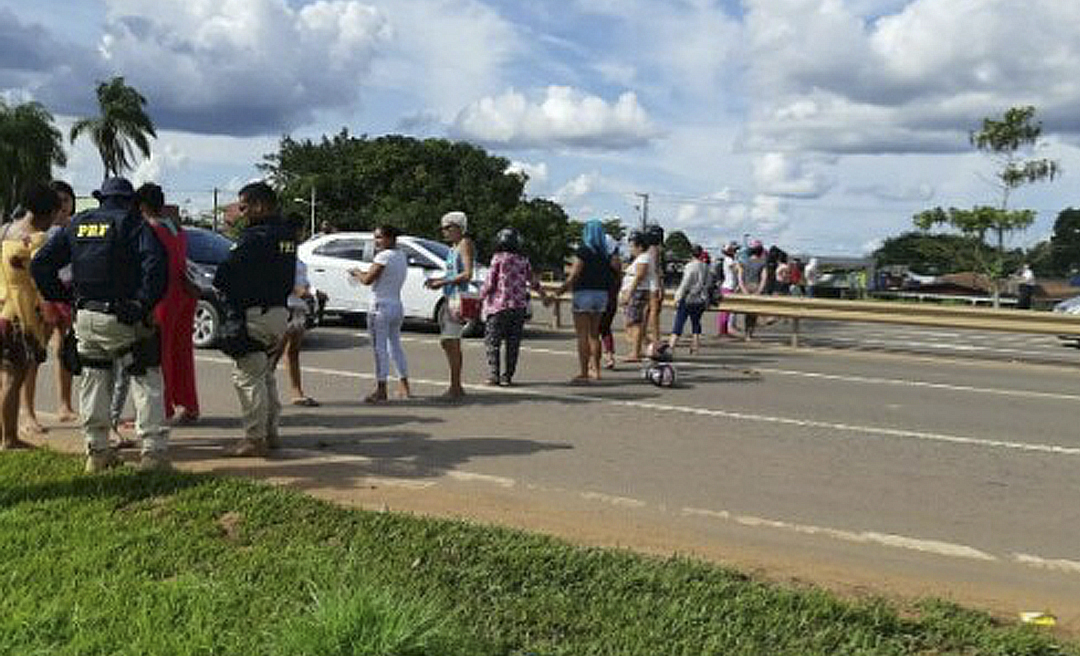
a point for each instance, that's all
(591, 275)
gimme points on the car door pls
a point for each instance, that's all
(417, 300)
(328, 267)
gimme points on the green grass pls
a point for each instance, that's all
(183, 564)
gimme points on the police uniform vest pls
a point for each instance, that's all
(114, 257)
(261, 268)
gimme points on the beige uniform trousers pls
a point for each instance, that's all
(256, 385)
(102, 337)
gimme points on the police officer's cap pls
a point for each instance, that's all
(119, 187)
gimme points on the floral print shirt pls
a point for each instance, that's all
(507, 283)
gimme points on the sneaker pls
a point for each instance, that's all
(507, 380)
(154, 462)
(248, 448)
(101, 461)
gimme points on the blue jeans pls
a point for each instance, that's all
(685, 310)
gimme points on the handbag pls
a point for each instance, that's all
(465, 306)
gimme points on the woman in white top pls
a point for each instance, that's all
(386, 276)
(638, 284)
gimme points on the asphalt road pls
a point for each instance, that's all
(932, 470)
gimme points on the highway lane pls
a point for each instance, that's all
(890, 472)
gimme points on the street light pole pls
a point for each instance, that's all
(312, 233)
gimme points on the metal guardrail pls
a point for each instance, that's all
(937, 316)
(912, 314)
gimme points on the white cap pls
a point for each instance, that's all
(455, 218)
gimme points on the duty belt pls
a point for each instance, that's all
(105, 307)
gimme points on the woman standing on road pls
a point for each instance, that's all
(635, 294)
(591, 275)
(691, 298)
(505, 297)
(58, 330)
(386, 276)
(459, 272)
(23, 328)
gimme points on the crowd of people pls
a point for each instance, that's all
(108, 291)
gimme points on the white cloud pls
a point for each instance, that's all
(825, 78)
(241, 66)
(537, 174)
(577, 188)
(778, 174)
(564, 117)
(444, 55)
(160, 166)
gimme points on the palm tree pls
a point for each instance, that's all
(30, 145)
(122, 127)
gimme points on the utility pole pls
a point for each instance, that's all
(312, 233)
(215, 214)
(644, 209)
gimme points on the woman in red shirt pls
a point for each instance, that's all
(175, 312)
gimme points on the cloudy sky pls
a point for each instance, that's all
(822, 125)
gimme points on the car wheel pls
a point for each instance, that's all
(207, 324)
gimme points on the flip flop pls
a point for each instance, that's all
(306, 401)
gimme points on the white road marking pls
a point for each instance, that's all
(866, 537)
(862, 380)
(1054, 564)
(621, 502)
(933, 547)
(471, 477)
(550, 395)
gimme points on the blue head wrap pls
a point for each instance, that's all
(593, 237)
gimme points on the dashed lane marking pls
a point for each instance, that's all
(549, 395)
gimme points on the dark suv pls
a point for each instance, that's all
(206, 250)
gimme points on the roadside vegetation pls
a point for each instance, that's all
(184, 564)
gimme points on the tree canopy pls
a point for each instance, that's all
(1006, 141)
(121, 128)
(30, 145)
(362, 182)
(1065, 242)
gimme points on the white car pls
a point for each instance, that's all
(1069, 306)
(329, 258)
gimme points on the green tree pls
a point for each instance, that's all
(929, 254)
(361, 182)
(121, 128)
(1065, 242)
(1006, 142)
(30, 145)
(677, 246)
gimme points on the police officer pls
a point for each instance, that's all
(255, 282)
(119, 274)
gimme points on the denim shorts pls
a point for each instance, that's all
(590, 300)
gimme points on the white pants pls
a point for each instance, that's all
(384, 326)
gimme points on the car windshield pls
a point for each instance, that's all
(206, 247)
(439, 249)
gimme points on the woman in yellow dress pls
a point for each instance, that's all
(23, 329)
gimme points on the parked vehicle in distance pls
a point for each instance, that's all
(1069, 306)
(330, 257)
(206, 250)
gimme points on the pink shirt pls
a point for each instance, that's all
(507, 284)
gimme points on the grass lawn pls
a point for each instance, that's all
(179, 564)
